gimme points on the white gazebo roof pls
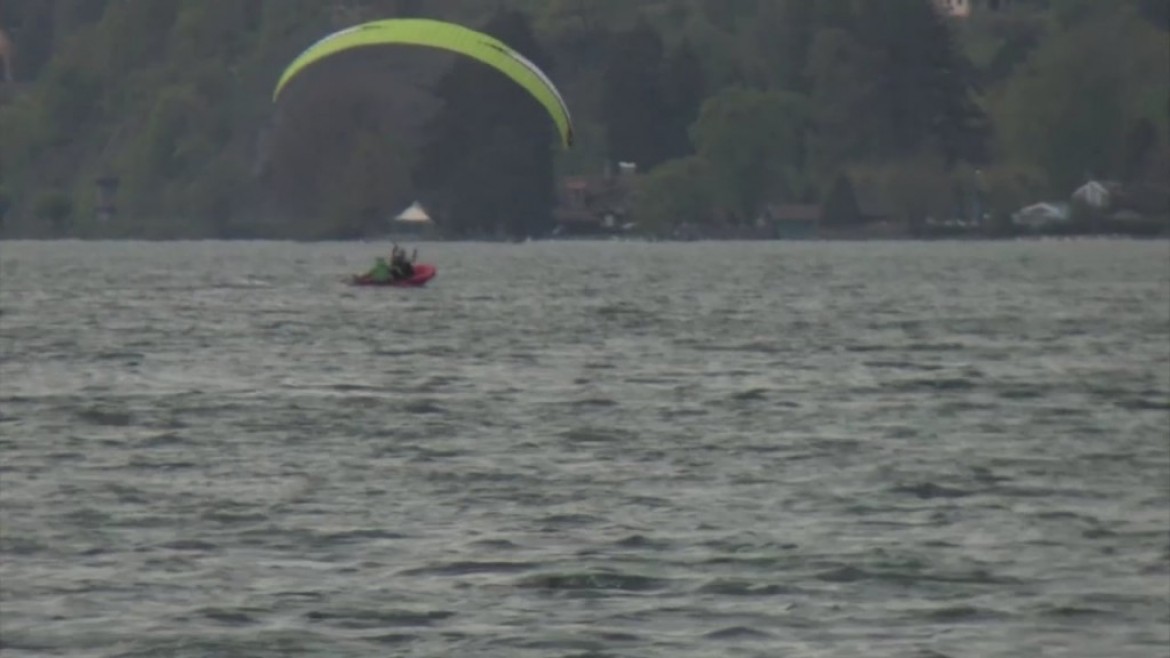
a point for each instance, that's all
(414, 213)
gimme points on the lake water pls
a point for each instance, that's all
(876, 450)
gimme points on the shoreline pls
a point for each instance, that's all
(1036, 237)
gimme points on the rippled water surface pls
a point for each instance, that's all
(642, 450)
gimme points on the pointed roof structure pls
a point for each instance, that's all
(413, 214)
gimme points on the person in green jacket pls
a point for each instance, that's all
(380, 273)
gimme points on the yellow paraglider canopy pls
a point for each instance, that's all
(446, 36)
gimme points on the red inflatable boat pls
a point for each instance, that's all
(422, 273)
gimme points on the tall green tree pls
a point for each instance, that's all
(916, 187)
(1069, 109)
(488, 165)
(843, 87)
(633, 104)
(1141, 143)
(684, 87)
(841, 207)
(753, 141)
(32, 28)
(926, 98)
(781, 36)
(679, 192)
(727, 14)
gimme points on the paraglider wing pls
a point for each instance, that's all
(446, 36)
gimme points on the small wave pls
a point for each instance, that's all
(595, 435)
(355, 619)
(598, 403)
(1098, 533)
(935, 347)
(904, 365)
(230, 616)
(128, 494)
(165, 440)
(595, 365)
(119, 356)
(942, 384)
(735, 633)
(436, 383)
(620, 309)
(299, 596)
(641, 541)
(746, 348)
(732, 587)
(424, 407)
(394, 638)
(495, 544)
(354, 536)
(619, 637)
(142, 463)
(747, 561)
(865, 349)
(653, 502)
(225, 517)
(10, 545)
(929, 490)
(1144, 404)
(1023, 393)
(145, 521)
(1022, 491)
(962, 613)
(649, 380)
(267, 642)
(558, 643)
(242, 284)
(1072, 611)
(421, 454)
(88, 517)
(846, 574)
(106, 418)
(598, 580)
(672, 414)
(354, 388)
(470, 568)
(852, 574)
(751, 395)
(195, 545)
(65, 456)
(569, 520)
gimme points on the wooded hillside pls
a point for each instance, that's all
(726, 106)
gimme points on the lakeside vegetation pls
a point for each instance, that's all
(727, 107)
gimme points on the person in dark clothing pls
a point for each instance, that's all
(400, 265)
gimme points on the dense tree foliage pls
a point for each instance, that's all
(725, 106)
(487, 165)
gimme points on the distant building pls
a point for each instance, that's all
(1095, 194)
(414, 222)
(789, 221)
(414, 214)
(1042, 215)
(588, 205)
